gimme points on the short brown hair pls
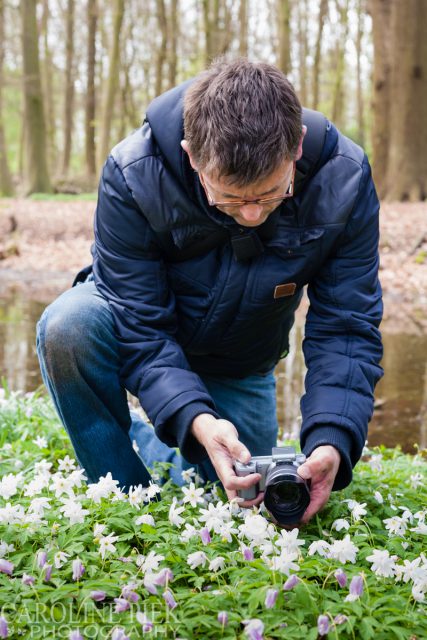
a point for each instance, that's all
(241, 120)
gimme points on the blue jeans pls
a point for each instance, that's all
(80, 364)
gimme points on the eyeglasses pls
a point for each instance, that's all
(260, 201)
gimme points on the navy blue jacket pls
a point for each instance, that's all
(215, 314)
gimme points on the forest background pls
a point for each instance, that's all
(77, 75)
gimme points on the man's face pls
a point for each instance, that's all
(251, 205)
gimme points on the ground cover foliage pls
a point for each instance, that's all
(88, 561)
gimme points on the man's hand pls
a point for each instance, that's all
(321, 468)
(221, 441)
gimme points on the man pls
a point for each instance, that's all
(210, 220)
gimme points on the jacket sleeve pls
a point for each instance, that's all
(342, 344)
(130, 272)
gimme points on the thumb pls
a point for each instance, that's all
(237, 450)
(304, 471)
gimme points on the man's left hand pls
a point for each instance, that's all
(320, 468)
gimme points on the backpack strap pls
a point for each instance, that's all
(317, 125)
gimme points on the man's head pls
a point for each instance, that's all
(243, 132)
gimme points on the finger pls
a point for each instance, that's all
(318, 501)
(247, 504)
(236, 449)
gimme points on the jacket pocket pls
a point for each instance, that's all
(291, 259)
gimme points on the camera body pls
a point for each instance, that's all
(286, 494)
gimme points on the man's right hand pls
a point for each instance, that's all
(221, 441)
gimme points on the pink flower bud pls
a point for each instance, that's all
(27, 579)
(98, 596)
(341, 577)
(205, 535)
(41, 558)
(47, 572)
(323, 625)
(290, 583)
(121, 605)
(169, 599)
(248, 554)
(4, 630)
(223, 618)
(356, 586)
(129, 594)
(6, 566)
(78, 569)
(270, 598)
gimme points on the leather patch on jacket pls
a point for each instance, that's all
(283, 290)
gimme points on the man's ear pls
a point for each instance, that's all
(184, 145)
(299, 150)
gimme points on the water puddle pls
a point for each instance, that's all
(400, 417)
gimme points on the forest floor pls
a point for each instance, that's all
(43, 244)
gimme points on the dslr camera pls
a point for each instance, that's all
(286, 494)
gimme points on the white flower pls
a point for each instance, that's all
(421, 528)
(197, 559)
(9, 485)
(60, 558)
(375, 462)
(341, 523)
(357, 509)
(193, 495)
(152, 490)
(189, 532)
(36, 485)
(38, 505)
(42, 468)
(137, 495)
(5, 548)
(411, 570)
(416, 480)
(215, 516)
(106, 543)
(74, 511)
(217, 563)
(12, 514)
(40, 442)
(147, 518)
(320, 547)
(382, 563)
(98, 530)
(103, 488)
(226, 529)
(150, 563)
(289, 541)
(344, 550)
(284, 563)
(418, 592)
(60, 485)
(77, 477)
(188, 474)
(66, 464)
(174, 511)
(255, 528)
(378, 497)
(395, 526)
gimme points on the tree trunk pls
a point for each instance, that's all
(173, 42)
(360, 101)
(92, 16)
(112, 82)
(302, 50)
(47, 72)
(36, 172)
(284, 36)
(69, 87)
(338, 92)
(6, 185)
(243, 28)
(218, 33)
(407, 160)
(162, 50)
(323, 12)
(381, 31)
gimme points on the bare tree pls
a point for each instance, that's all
(303, 50)
(243, 28)
(6, 185)
(323, 13)
(69, 86)
(162, 49)
(112, 82)
(339, 56)
(284, 36)
(360, 101)
(173, 33)
(92, 16)
(47, 75)
(217, 23)
(36, 172)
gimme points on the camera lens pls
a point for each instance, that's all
(286, 494)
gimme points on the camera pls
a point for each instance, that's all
(286, 494)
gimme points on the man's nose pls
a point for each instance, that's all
(251, 212)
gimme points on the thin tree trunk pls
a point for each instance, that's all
(112, 82)
(323, 12)
(69, 87)
(162, 50)
(36, 172)
(284, 36)
(338, 92)
(360, 101)
(6, 185)
(302, 50)
(407, 163)
(47, 85)
(92, 16)
(218, 33)
(380, 11)
(243, 28)
(173, 43)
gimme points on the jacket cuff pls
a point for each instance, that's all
(179, 426)
(327, 435)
